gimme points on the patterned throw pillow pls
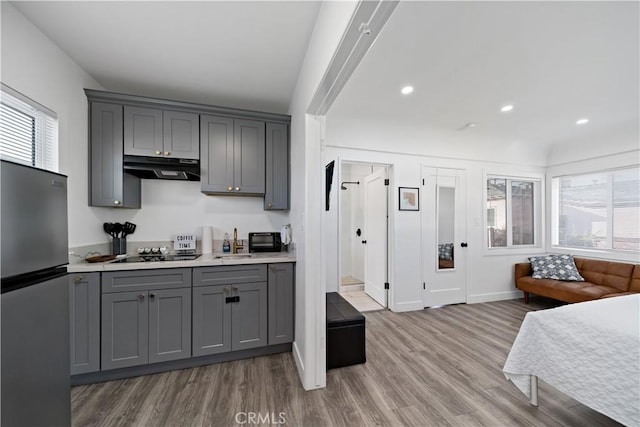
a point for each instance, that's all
(445, 251)
(558, 267)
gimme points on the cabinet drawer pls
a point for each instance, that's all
(142, 280)
(229, 275)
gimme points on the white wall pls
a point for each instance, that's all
(307, 197)
(50, 77)
(489, 277)
(37, 68)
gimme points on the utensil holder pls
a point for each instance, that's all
(119, 246)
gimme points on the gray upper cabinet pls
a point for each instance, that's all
(281, 303)
(233, 156)
(276, 196)
(216, 147)
(181, 135)
(249, 156)
(142, 131)
(84, 320)
(109, 185)
(161, 133)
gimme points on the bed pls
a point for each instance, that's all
(590, 351)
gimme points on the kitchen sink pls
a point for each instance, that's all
(233, 256)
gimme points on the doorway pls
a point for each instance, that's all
(363, 234)
(443, 236)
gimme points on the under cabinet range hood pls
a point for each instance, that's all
(162, 168)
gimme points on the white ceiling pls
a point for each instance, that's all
(234, 53)
(556, 62)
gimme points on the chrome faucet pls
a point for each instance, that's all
(236, 246)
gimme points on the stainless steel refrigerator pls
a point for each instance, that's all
(34, 303)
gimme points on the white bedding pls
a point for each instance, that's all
(590, 351)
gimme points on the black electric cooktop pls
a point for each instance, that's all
(158, 258)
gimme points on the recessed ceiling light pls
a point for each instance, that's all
(582, 121)
(506, 108)
(407, 90)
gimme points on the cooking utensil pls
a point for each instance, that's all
(129, 228)
(117, 229)
(108, 228)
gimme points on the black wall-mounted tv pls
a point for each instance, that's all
(328, 176)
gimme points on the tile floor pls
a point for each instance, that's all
(361, 301)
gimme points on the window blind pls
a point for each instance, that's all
(28, 131)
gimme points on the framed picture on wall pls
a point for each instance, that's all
(409, 198)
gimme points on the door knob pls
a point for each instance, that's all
(229, 188)
(141, 297)
(237, 188)
(116, 202)
(158, 152)
(364, 242)
(152, 295)
(167, 153)
(463, 245)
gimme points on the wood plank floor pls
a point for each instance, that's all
(435, 367)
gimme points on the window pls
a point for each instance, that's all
(513, 212)
(599, 210)
(28, 131)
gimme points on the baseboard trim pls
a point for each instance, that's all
(134, 371)
(494, 296)
(298, 359)
(407, 306)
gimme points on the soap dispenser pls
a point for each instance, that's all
(226, 246)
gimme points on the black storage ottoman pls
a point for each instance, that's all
(345, 333)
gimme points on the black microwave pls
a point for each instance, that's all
(265, 242)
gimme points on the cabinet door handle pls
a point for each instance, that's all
(230, 188)
(158, 152)
(141, 297)
(116, 202)
(167, 153)
(226, 289)
(269, 205)
(237, 188)
(152, 295)
(78, 278)
(235, 289)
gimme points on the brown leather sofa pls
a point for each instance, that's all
(602, 279)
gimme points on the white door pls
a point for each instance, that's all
(374, 236)
(443, 237)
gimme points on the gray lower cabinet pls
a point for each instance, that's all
(276, 195)
(169, 324)
(232, 156)
(281, 303)
(125, 330)
(109, 185)
(84, 321)
(229, 316)
(146, 317)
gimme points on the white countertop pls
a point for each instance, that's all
(202, 261)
